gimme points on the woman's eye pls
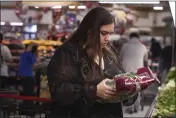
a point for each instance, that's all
(104, 33)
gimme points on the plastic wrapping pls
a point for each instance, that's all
(129, 84)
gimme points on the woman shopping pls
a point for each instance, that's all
(79, 69)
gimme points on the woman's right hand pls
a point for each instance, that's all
(104, 91)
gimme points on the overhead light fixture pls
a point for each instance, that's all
(36, 7)
(81, 7)
(16, 23)
(2, 23)
(158, 8)
(129, 2)
(13, 23)
(71, 7)
(56, 7)
(151, 2)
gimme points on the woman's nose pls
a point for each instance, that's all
(107, 37)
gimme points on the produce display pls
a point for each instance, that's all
(43, 42)
(46, 49)
(166, 102)
(130, 84)
(44, 88)
(39, 42)
(172, 74)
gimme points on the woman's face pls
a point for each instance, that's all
(105, 32)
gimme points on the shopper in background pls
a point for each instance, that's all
(76, 71)
(134, 55)
(155, 49)
(63, 39)
(166, 55)
(165, 62)
(118, 44)
(5, 57)
(27, 62)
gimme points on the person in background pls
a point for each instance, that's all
(26, 65)
(166, 55)
(5, 57)
(165, 62)
(76, 72)
(155, 49)
(118, 44)
(134, 55)
(63, 39)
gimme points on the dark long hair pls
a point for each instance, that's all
(91, 23)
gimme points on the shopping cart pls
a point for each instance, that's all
(13, 105)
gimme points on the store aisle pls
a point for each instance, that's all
(140, 114)
(149, 94)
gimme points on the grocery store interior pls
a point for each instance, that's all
(48, 24)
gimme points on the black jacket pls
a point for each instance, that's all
(73, 84)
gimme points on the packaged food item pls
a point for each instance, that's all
(129, 84)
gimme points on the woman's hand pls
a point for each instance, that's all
(104, 91)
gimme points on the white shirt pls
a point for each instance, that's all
(6, 56)
(102, 62)
(133, 54)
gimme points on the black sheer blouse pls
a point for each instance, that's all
(71, 80)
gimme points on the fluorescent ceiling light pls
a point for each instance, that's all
(130, 2)
(16, 23)
(71, 7)
(56, 7)
(2, 23)
(13, 23)
(158, 8)
(36, 7)
(172, 7)
(81, 7)
(151, 2)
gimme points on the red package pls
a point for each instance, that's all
(135, 82)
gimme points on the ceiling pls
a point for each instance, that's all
(144, 7)
(138, 7)
(149, 7)
(11, 4)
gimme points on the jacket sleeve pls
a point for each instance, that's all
(62, 76)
